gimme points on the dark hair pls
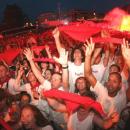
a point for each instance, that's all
(24, 93)
(51, 71)
(115, 65)
(82, 53)
(89, 94)
(3, 94)
(117, 75)
(41, 121)
(86, 82)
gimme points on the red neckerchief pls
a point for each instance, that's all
(5, 81)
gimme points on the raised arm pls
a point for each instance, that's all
(29, 55)
(56, 35)
(87, 66)
(97, 51)
(126, 55)
(126, 52)
(63, 60)
(48, 51)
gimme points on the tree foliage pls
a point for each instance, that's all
(13, 16)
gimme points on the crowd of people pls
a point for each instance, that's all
(85, 88)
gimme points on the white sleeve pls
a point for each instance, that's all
(99, 89)
(48, 127)
(14, 87)
(45, 86)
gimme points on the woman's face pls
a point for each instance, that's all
(44, 65)
(77, 54)
(27, 118)
(31, 77)
(81, 85)
(48, 75)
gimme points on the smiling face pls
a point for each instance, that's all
(31, 77)
(81, 85)
(77, 54)
(48, 75)
(113, 84)
(56, 81)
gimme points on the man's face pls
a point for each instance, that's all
(113, 84)
(56, 81)
(27, 118)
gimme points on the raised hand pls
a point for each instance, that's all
(63, 59)
(125, 50)
(89, 47)
(29, 54)
(20, 71)
(56, 33)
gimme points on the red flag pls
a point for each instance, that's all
(38, 49)
(9, 55)
(73, 101)
(80, 31)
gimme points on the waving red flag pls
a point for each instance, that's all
(73, 101)
(9, 55)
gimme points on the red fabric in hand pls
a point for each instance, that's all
(73, 101)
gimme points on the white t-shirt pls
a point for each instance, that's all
(110, 104)
(11, 86)
(98, 70)
(48, 127)
(75, 124)
(74, 72)
(45, 86)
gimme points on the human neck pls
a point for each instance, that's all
(77, 62)
(82, 116)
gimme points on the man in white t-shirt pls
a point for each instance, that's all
(113, 96)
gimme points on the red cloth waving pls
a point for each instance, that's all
(73, 101)
(9, 55)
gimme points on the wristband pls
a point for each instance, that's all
(66, 67)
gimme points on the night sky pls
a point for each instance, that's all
(33, 8)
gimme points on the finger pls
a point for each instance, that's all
(87, 42)
(91, 40)
(127, 44)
